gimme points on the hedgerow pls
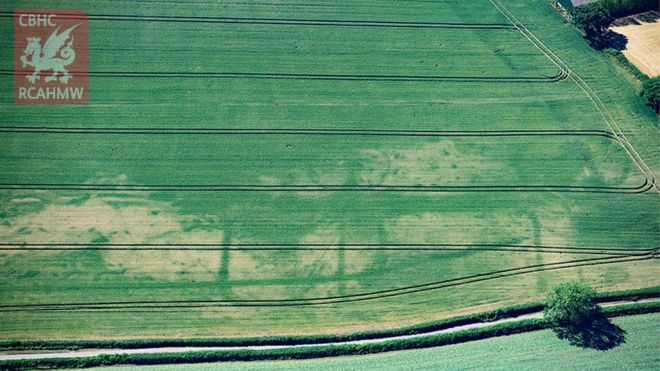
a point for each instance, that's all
(623, 8)
(281, 354)
(322, 351)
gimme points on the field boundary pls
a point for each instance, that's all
(339, 299)
(421, 328)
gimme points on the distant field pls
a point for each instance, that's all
(643, 45)
(277, 169)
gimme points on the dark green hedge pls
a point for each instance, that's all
(650, 89)
(281, 354)
(511, 311)
(632, 295)
(327, 350)
(623, 8)
(619, 8)
(314, 352)
(632, 309)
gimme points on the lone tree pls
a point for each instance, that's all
(571, 311)
(594, 19)
(570, 304)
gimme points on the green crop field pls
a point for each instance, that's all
(253, 168)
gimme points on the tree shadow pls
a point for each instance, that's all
(616, 40)
(596, 332)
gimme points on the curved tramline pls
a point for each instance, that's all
(559, 76)
(278, 21)
(642, 188)
(602, 109)
(323, 247)
(307, 49)
(339, 132)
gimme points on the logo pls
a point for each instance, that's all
(50, 57)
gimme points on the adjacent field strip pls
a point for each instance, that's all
(275, 131)
(280, 21)
(323, 247)
(236, 71)
(93, 353)
(283, 157)
(320, 77)
(645, 187)
(340, 299)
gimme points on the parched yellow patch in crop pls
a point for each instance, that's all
(127, 221)
(460, 228)
(310, 290)
(337, 175)
(25, 200)
(318, 254)
(171, 264)
(555, 226)
(439, 163)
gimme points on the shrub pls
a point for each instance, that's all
(651, 91)
(619, 8)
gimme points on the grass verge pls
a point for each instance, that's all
(621, 60)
